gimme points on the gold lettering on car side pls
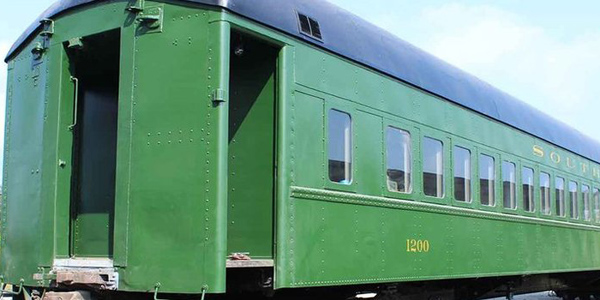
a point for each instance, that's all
(417, 246)
(538, 151)
(584, 168)
(555, 157)
(570, 163)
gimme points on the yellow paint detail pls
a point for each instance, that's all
(555, 157)
(538, 151)
(570, 163)
(417, 246)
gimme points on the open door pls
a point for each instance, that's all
(252, 150)
(94, 68)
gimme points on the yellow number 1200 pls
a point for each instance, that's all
(417, 246)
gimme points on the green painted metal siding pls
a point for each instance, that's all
(23, 174)
(170, 214)
(176, 234)
(358, 233)
(172, 162)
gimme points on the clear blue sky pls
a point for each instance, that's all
(545, 52)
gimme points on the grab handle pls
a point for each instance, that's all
(4, 292)
(75, 107)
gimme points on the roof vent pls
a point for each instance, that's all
(309, 27)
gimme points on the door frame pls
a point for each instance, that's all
(64, 143)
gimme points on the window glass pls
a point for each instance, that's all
(597, 205)
(560, 196)
(340, 147)
(528, 197)
(509, 184)
(433, 167)
(398, 160)
(585, 191)
(573, 203)
(487, 180)
(462, 174)
(545, 193)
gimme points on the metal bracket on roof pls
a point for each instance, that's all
(152, 18)
(47, 27)
(136, 6)
(39, 48)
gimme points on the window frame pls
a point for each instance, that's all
(333, 104)
(482, 150)
(570, 216)
(470, 149)
(550, 196)
(565, 196)
(517, 209)
(495, 160)
(446, 143)
(595, 205)
(409, 130)
(590, 200)
(415, 135)
(534, 184)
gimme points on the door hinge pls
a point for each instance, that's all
(219, 95)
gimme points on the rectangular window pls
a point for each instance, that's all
(560, 196)
(433, 167)
(340, 147)
(573, 203)
(597, 205)
(587, 213)
(462, 174)
(487, 180)
(545, 193)
(528, 195)
(398, 160)
(509, 184)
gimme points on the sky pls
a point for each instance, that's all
(544, 52)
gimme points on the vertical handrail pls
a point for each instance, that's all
(76, 100)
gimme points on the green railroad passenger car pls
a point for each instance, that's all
(225, 148)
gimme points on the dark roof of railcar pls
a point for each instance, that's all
(350, 36)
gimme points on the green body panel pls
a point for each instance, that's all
(23, 174)
(176, 156)
(175, 234)
(170, 192)
(343, 235)
(251, 150)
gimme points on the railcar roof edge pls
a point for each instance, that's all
(354, 38)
